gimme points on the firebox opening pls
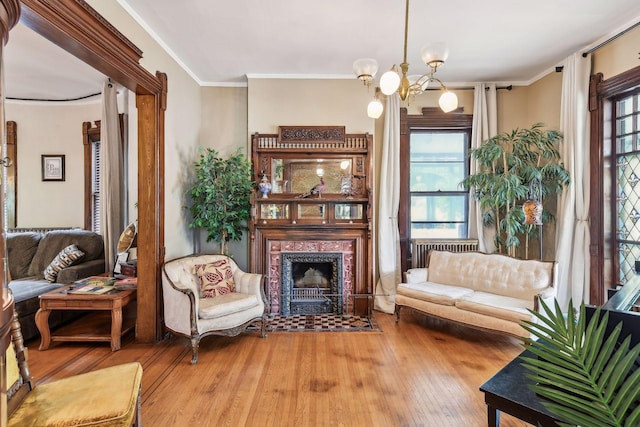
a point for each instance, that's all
(312, 284)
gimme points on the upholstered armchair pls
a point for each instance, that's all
(209, 295)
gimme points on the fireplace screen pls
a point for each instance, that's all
(311, 283)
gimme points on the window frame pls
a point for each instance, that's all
(601, 97)
(430, 119)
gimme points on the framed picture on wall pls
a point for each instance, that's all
(53, 167)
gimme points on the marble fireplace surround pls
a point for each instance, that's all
(278, 247)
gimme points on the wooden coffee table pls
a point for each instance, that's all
(99, 327)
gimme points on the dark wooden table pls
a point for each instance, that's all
(508, 391)
(109, 328)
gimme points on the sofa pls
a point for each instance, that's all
(486, 291)
(30, 253)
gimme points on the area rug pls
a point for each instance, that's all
(320, 323)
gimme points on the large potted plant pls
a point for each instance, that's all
(221, 197)
(507, 164)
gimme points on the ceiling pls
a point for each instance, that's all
(220, 42)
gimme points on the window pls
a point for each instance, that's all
(613, 197)
(433, 161)
(91, 143)
(95, 186)
(437, 165)
(626, 170)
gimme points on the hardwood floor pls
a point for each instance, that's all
(419, 372)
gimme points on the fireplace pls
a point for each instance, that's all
(311, 283)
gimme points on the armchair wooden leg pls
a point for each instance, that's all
(397, 312)
(263, 328)
(195, 343)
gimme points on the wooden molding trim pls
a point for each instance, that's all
(76, 27)
(98, 43)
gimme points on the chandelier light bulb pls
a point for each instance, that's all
(365, 69)
(448, 101)
(435, 54)
(374, 109)
(389, 82)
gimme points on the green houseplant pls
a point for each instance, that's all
(507, 164)
(586, 378)
(221, 197)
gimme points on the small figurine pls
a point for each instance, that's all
(317, 189)
(264, 186)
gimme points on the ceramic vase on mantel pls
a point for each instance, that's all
(264, 187)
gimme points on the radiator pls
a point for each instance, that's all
(420, 248)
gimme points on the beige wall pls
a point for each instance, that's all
(50, 128)
(224, 128)
(182, 124)
(275, 102)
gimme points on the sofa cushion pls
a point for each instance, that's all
(65, 258)
(491, 273)
(507, 308)
(433, 292)
(223, 305)
(54, 241)
(27, 288)
(216, 278)
(21, 247)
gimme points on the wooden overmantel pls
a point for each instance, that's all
(337, 220)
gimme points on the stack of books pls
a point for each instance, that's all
(126, 283)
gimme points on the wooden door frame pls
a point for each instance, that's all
(79, 29)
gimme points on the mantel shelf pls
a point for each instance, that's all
(293, 197)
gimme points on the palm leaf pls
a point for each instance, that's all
(586, 378)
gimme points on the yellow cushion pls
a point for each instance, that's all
(105, 397)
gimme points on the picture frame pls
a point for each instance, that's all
(53, 167)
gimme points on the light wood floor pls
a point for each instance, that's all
(420, 372)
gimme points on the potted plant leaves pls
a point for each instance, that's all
(221, 197)
(507, 164)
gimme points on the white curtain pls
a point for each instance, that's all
(485, 126)
(572, 236)
(388, 203)
(111, 179)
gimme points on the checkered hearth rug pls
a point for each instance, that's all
(321, 322)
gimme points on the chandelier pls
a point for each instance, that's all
(398, 80)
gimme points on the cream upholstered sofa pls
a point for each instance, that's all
(188, 313)
(486, 291)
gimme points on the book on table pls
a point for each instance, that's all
(93, 285)
(90, 289)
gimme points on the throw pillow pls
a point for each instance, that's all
(64, 259)
(216, 278)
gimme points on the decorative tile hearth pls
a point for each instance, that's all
(321, 322)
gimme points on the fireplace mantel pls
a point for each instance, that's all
(338, 220)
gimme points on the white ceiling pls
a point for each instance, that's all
(220, 42)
